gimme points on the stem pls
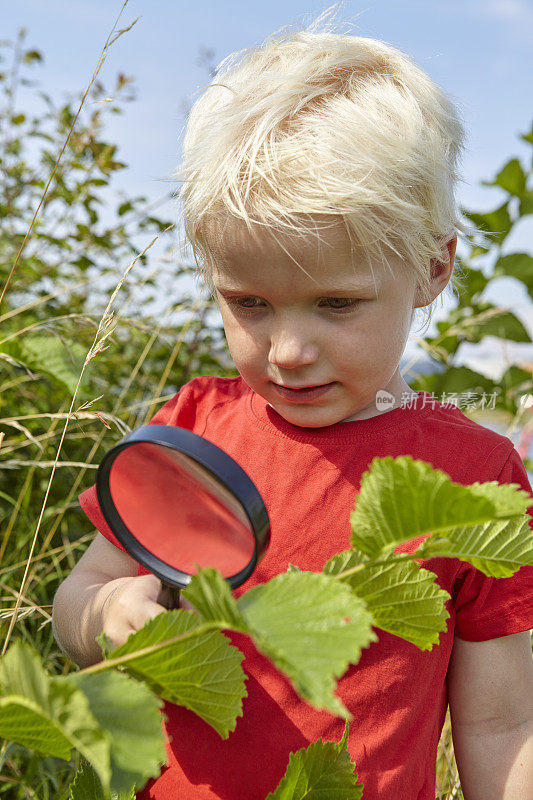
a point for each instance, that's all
(110, 663)
(353, 570)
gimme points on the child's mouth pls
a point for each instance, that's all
(301, 395)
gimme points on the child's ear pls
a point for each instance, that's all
(441, 272)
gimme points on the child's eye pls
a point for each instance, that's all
(246, 302)
(340, 303)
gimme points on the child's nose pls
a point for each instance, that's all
(290, 349)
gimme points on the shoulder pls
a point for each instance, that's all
(200, 397)
(212, 389)
(448, 418)
(472, 451)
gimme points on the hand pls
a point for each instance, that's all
(131, 602)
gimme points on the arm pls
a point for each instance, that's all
(101, 593)
(490, 689)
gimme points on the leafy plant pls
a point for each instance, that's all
(311, 626)
(473, 318)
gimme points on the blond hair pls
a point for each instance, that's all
(314, 123)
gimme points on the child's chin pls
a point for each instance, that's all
(307, 418)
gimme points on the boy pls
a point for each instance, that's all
(318, 196)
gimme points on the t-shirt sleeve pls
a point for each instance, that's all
(176, 411)
(487, 608)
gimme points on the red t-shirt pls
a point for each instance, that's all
(397, 694)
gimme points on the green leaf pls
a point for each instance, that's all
(526, 203)
(322, 771)
(508, 499)
(455, 381)
(30, 56)
(86, 785)
(211, 595)
(160, 224)
(528, 137)
(107, 645)
(494, 224)
(474, 282)
(502, 323)
(312, 627)
(188, 663)
(516, 265)
(511, 178)
(403, 598)
(61, 359)
(497, 548)
(118, 703)
(401, 499)
(49, 715)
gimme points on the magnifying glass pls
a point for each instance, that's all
(177, 502)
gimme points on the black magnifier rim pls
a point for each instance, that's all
(219, 464)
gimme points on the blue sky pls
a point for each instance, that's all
(480, 51)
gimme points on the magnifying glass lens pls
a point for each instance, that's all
(178, 511)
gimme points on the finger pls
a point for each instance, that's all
(120, 636)
(144, 611)
(149, 586)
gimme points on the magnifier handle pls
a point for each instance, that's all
(172, 600)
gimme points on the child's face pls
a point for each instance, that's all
(334, 328)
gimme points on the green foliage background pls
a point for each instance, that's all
(55, 323)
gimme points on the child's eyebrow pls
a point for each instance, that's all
(329, 289)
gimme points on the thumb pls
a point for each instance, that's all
(150, 587)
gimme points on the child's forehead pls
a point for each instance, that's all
(322, 250)
(323, 243)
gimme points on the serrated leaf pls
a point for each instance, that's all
(497, 548)
(211, 595)
(300, 620)
(508, 499)
(86, 785)
(186, 662)
(403, 598)
(312, 627)
(48, 714)
(401, 499)
(118, 702)
(322, 771)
